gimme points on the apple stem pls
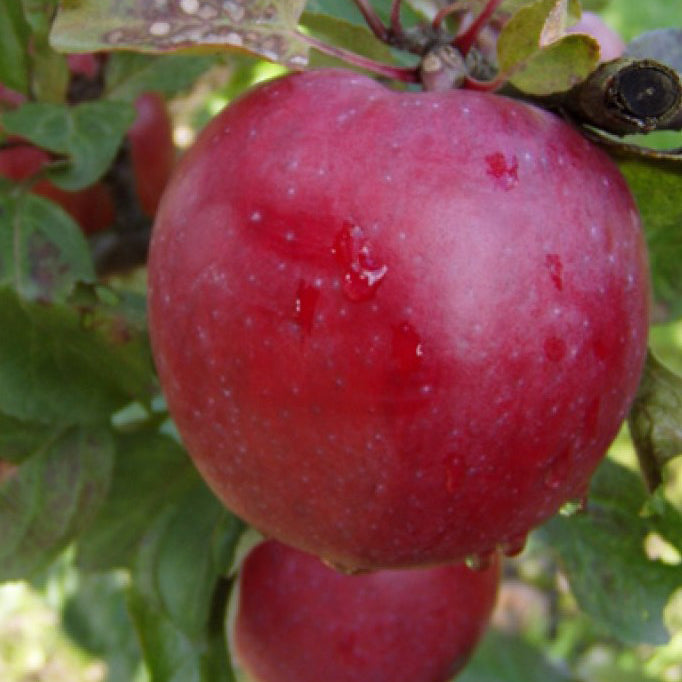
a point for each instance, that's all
(455, 7)
(465, 41)
(485, 86)
(373, 20)
(402, 74)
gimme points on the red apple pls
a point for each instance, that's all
(396, 328)
(151, 150)
(84, 64)
(298, 619)
(611, 45)
(92, 208)
(10, 99)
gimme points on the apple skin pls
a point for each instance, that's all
(152, 151)
(87, 64)
(298, 619)
(396, 329)
(92, 207)
(611, 45)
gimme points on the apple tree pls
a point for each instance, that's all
(410, 307)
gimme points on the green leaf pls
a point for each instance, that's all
(503, 658)
(96, 618)
(335, 31)
(51, 498)
(50, 74)
(537, 55)
(182, 556)
(179, 594)
(150, 473)
(267, 28)
(19, 440)
(595, 5)
(632, 17)
(655, 419)
(62, 365)
(39, 14)
(602, 551)
(170, 655)
(42, 250)
(88, 134)
(129, 74)
(657, 186)
(14, 38)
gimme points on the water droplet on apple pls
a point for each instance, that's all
(480, 562)
(305, 303)
(362, 272)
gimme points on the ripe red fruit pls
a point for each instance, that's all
(86, 64)
(10, 99)
(92, 208)
(298, 619)
(152, 151)
(396, 328)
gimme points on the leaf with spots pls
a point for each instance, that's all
(42, 250)
(88, 135)
(51, 498)
(537, 57)
(266, 28)
(603, 553)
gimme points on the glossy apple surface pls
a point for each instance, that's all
(298, 619)
(396, 329)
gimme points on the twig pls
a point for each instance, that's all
(396, 23)
(465, 41)
(373, 20)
